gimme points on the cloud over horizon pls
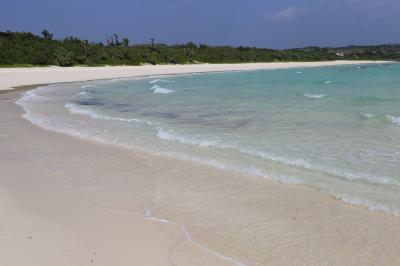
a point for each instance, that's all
(287, 13)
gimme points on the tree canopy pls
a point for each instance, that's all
(24, 48)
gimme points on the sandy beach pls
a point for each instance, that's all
(68, 201)
(13, 77)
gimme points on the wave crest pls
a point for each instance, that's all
(76, 109)
(158, 89)
(158, 81)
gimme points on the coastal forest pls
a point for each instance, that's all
(28, 49)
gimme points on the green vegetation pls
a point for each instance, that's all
(27, 49)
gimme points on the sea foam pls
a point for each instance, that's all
(205, 141)
(158, 89)
(31, 95)
(367, 115)
(87, 86)
(77, 109)
(393, 119)
(159, 81)
(368, 204)
(186, 139)
(314, 96)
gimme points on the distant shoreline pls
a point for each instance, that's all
(11, 77)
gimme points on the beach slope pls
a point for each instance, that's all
(68, 201)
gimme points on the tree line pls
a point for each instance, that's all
(26, 49)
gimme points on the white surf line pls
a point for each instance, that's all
(149, 215)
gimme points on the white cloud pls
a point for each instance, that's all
(288, 13)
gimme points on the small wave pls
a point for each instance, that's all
(210, 142)
(158, 89)
(87, 86)
(31, 95)
(246, 170)
(366, 115)
(393, 119)
(299, 72)
(381, 180)
(84, 95)
(77, 109)
(158, 81)
(186, 139)
(328, 81)
(314, 96)
(369, 204)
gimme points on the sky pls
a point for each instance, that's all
(275, 24)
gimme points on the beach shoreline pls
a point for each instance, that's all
(36, 76)
(317, 223)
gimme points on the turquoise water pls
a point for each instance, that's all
(336, 129)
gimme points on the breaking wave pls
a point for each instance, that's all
(158, 89)
(393, 119)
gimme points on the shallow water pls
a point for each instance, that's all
(332, 128)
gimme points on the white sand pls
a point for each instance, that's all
(11, 77)
(66, 201)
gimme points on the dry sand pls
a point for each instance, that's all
(66, 201)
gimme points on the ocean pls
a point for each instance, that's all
(335, 129)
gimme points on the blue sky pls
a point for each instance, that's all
(261, 23)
